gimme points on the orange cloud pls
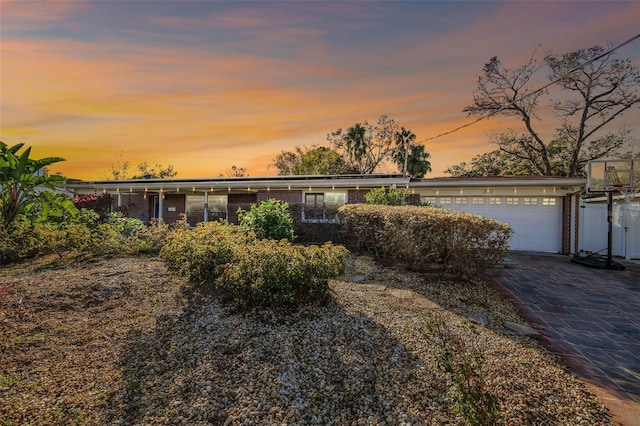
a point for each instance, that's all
(203, 105)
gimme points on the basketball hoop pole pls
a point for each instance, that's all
(609, 228)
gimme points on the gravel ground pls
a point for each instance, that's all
(118, 341)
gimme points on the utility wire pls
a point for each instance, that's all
(546, 86)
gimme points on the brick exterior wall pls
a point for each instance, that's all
(242, 201)
(356, 196)
(413, 199)
(173, 200)
(134, 205)
(291, 197)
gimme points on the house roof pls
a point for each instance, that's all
(497, 181)
(273, 182)
(248, 183)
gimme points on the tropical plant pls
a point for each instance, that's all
(366, 148)
(22, 180)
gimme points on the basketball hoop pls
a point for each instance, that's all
(613, 176)
(609, 176)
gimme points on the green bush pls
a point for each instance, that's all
(18, 241)
(82, 234)
(270, 219)
(418, 237)
(200, 253)
(127, 226)
(251, 272)
(277, 273)
(387, 196)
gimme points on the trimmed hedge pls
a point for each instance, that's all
(417, 237)
(250, 272)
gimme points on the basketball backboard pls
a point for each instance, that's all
(611, 175)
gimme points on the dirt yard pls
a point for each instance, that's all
(119, 341)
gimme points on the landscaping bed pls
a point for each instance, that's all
(118, 341)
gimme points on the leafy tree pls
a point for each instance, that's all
(366, 146)
(22, 181)
(314, 160)
(597, 89)
(411, 159)
(121, 170)
(493, 163)
(159, 171)
(235, 171)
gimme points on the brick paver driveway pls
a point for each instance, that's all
(590, 317)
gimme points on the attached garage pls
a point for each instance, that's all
(541, 211)
(536, 221)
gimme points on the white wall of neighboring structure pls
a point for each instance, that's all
(625, 228)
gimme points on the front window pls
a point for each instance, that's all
(323, 206)
(216, 209)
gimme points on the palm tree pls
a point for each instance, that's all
(418, 163)
(404, 139)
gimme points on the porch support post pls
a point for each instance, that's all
(206, 206)
(160, 207)
(119, 199)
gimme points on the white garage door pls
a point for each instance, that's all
(536, 221)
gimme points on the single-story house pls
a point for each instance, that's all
(543, 211)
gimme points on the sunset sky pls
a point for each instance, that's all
(204, 85)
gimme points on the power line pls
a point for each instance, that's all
(546, 86)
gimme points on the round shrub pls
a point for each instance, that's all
(250, 272)
(270, 219)
(277, 273)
